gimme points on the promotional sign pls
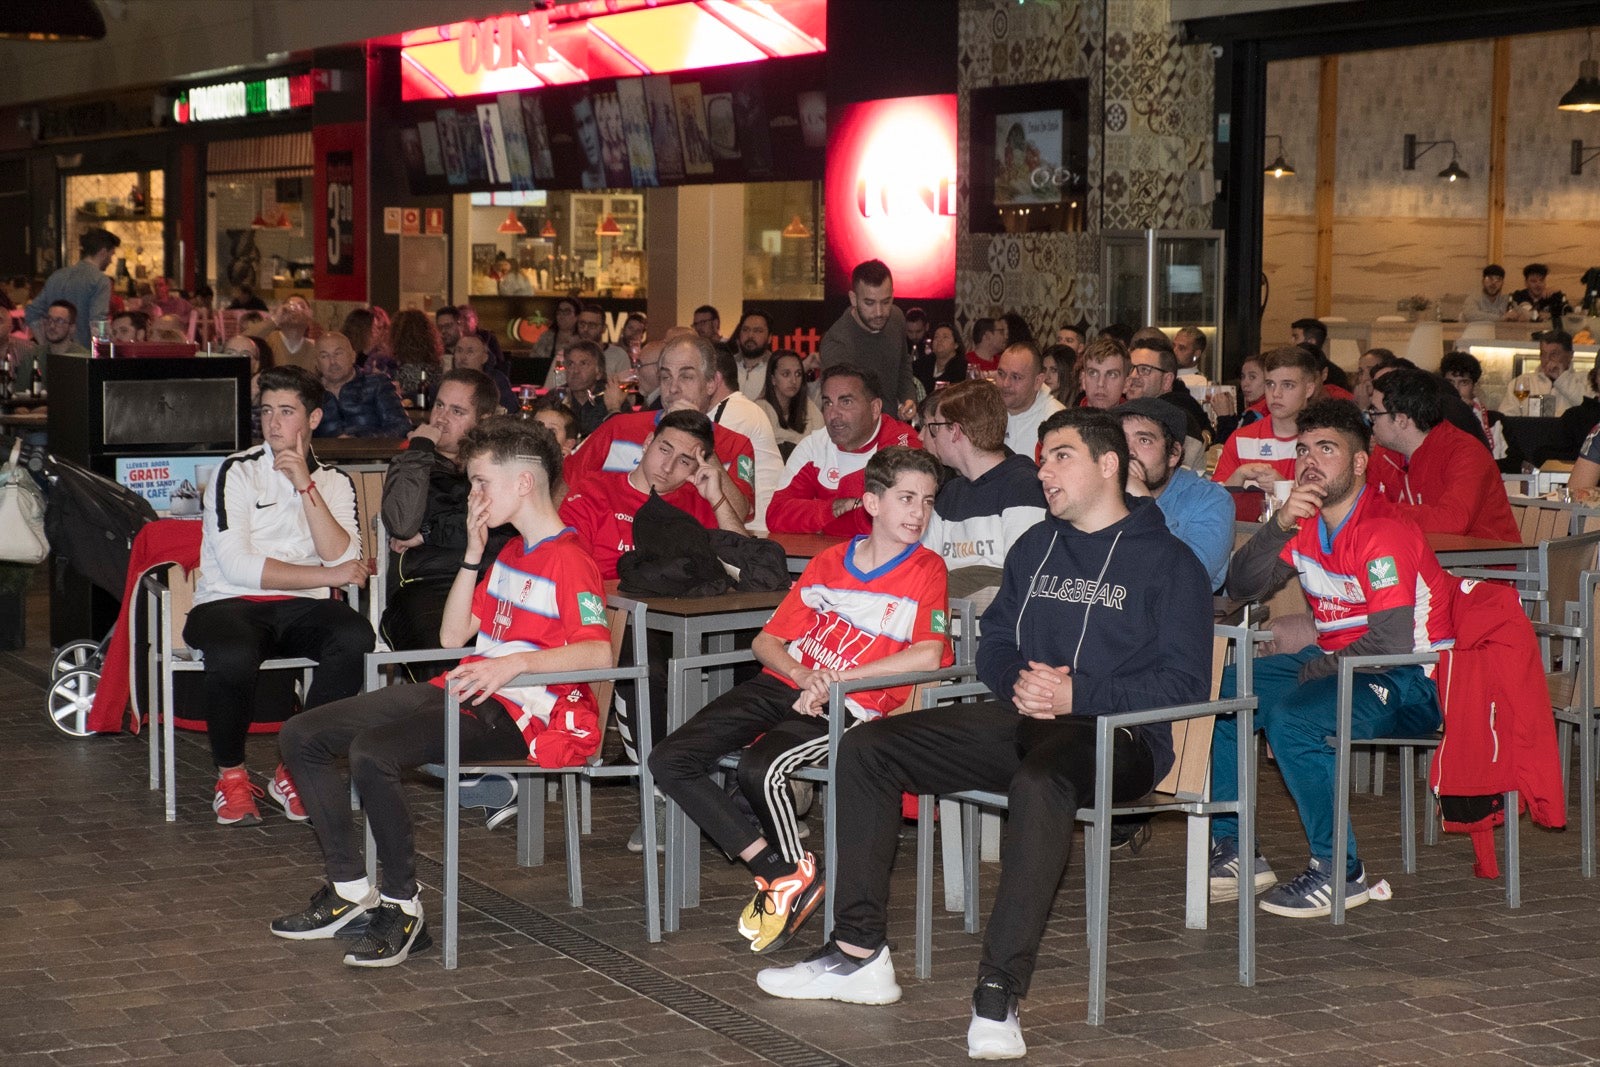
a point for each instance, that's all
(171, 484)
(340, 211)
(890, 193)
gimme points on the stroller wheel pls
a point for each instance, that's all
(74, 656)
(71, 697)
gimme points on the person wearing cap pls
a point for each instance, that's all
(1199, 512)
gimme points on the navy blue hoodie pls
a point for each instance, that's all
(1128, 608)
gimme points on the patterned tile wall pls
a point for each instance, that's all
(1155, 101)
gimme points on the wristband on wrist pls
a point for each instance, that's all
(471, 566)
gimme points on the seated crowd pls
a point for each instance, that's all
(1067, 497)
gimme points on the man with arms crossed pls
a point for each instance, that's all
(1101, 610)
(1375, 588)
(871, 335)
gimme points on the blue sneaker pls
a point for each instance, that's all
(1225, 871)
(495, 793)
(1310, 894)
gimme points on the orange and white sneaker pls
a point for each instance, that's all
(282, 789)
(235, 802)
(783, 906)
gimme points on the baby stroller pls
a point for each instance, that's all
(91, 522)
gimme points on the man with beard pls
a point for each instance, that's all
(871, 336)
(1375, 588)
(1199, 512)
(754, 341)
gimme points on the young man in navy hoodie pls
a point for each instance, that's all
(1100, 610)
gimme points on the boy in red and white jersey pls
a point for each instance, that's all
(871, 607)
(1264, 451)
(540, 608)
(679, 465)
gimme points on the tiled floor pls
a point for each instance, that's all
(132, 939)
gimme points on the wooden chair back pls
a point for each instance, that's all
(1191, 739)
(617, 621)
(1561, 565)
(181, 586)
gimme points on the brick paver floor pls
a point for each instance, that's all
(131, 939)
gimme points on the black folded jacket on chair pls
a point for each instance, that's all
(673, 555)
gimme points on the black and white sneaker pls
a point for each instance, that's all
(994, 1033)
(328, 915)
(392, 935)
(1310, 894)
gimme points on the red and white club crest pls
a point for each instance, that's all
(833, 474)
(888, 613)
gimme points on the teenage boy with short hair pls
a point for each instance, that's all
(873, 606)
(280, 535)
(1264, 451)
(540, 608)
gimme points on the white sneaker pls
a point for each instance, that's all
(991, 1038)
(823, 976)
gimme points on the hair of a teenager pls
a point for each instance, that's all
(888, 464)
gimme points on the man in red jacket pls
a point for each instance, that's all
(825, 475)
(1436, 474)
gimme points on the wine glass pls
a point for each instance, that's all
(1521, 391)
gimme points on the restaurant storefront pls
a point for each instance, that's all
(648, 157)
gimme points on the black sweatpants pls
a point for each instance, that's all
(236, 635)
(384, 732)
(1046, 767)
(760, 708)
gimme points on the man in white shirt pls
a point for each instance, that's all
(754, 341)
(1555, 379)
(731, 408)
(280, 534)
(1020, 376)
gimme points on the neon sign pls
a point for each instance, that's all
(237, 100)
(585, 40)
(891, 193)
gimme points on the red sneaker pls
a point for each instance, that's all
(283, 791)
(235, 802)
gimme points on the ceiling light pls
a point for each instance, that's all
(608, 227)
(1585, 92)
(796, 228)
(512, 223)
(1279, 167)
(547, 231)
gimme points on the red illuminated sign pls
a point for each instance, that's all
(891, 193)
(583, 41)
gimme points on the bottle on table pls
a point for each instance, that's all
(36, 381)
(422, 390)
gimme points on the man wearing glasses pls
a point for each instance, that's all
(1154, 373)
(1430, 470)
(994, 498)
(57, 330)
